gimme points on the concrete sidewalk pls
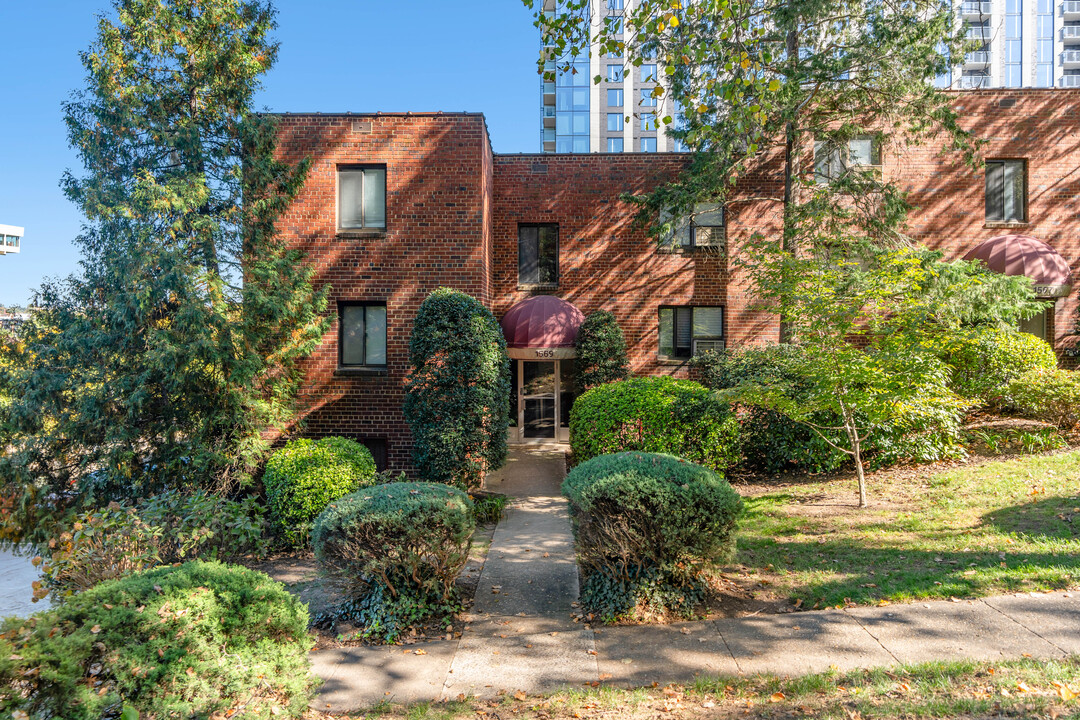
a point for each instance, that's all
(521, 634)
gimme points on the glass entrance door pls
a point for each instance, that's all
(537, 407)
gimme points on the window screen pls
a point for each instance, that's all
(363, 334)
(1006, 191)
(684, 328)
(538, 254)
(362, 198)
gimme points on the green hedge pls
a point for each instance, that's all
(195, 640)
(770, 441)
(305, 475)
(985, 360)
(1052, 396)
(396, 550)
(601, 350)
(457, 396)
(645, 526)
(655, 414)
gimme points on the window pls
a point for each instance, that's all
(647, 98)
(648, 122)
(648, 73)
(614, 144)
(614, 97)
(614, 24)
(362, 198)
(831, 161)
(538, 254)
(1006, 191)
(614, 122)
(362, 335)
(615, 73)
(707, 226)
(648, 144)
(614, 4)
(689, 331)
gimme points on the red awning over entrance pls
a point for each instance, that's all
(1028, 256)
(542, 321)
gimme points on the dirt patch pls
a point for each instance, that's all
(299, 572)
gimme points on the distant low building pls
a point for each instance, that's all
(10, 239)
(12, 320)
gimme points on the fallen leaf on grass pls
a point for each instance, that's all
(777, 697)
(520, 696)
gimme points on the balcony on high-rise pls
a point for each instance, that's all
(1071, 9)
(974, 9)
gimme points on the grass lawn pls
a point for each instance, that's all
(1027, 689)
(977, 529)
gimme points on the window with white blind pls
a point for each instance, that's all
(362, 335)
(362, 198)
(1006, 191)
(689, 331)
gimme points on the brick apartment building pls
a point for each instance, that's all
(399, 204)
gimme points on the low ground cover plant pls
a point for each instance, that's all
(395, 551)
(120, 539)
(457, 396)
(202, 639)
(646, 526)
(304, 476)
(655, 414)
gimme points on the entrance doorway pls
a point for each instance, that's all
(544, 391)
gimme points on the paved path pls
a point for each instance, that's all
(16, 575)
(522, 637)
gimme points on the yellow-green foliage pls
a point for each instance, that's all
(985, 360)
(195, 640)
(304, 476)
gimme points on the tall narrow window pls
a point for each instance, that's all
(648, 144)
(362, 198)
(538, 254)
(689, 331)
(615, 97)
(1044, 43)
(648, 73)
(614, 144)
(1013, 68)
(1006, 191)
(615, 73)
(647, 97)
(614, 122)
(362, 335)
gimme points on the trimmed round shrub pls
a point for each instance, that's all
(304, 476)
(396, 550)
(194, 640)
(601, 350)
(1052, 396)
(645, 526)
(457, 396)
(655, 414)
(984, 360)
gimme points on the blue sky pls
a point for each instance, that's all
(336, 55)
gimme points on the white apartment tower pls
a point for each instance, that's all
(1023, 43)
(10, 239)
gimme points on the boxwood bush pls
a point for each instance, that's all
(396, 550)
(601, 350)
(305, 475)
(194, 640)
(655, 414)
(985, 360)
(645, 526)
(457, 396)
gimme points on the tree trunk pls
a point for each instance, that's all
(789, 168)
(859, 471)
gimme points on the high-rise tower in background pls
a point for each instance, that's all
(1024, 43)
(10, 239)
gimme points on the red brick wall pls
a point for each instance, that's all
(453, 210)
(435, 235)
(1039, 125)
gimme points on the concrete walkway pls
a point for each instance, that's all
(521, 635)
